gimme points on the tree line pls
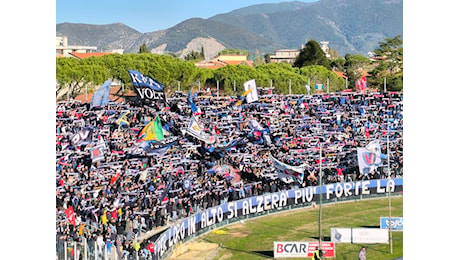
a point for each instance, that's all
(311, 66)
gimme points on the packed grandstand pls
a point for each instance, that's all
(124, 169)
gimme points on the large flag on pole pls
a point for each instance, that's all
(251, 91)
(70, 215)
(101, 96)
(191, 103)
(148, 90)
(152, 131)
(361, 84)
(370, 157)
(196, 130)
(296, 172)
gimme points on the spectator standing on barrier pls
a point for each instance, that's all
(362, 254)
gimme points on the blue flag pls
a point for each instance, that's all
(152, 148)
(139, 80)
(101, 96)
(190, 102)
(148, 90)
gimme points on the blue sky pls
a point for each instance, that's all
(146, 15)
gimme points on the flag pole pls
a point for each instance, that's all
(388, 186)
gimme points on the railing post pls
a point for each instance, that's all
(95, 251)
(65, 250)
(75, 250)
(86, 250)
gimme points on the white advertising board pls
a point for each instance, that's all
(360, 235)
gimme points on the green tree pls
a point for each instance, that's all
(202, 56)
(389, 57)
(267, 58)
(338, 64)
(390, 54)
(355, 66)
(193, 55)
(312, 54)
(143, 48)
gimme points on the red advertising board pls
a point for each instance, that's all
(328, 249)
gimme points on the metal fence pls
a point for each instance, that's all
(89, 250)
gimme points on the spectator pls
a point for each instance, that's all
(362, 254)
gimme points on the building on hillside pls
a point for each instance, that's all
(63, 49)
(286, 55)
(325, 48)
(224, 60)
(210, 64)
(80, 56)
(289, 55)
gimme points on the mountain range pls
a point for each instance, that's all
(350, 26)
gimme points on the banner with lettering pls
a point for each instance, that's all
(258, 204)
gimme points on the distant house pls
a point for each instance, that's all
(289, 55)
(286, 55)
(88, 54)
(224, 60)
(63, 49)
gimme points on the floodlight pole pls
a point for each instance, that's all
(388, 186)
(320, 193)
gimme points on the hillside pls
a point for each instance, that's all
(350, 26)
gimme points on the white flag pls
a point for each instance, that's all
(194, 129)
(296, 172)
(252, 95)
(369, 158)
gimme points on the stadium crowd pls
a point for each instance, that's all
(122, 190)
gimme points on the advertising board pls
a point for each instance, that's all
(360, 235)
(396, 223)
(328, 249)
(295, 249)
